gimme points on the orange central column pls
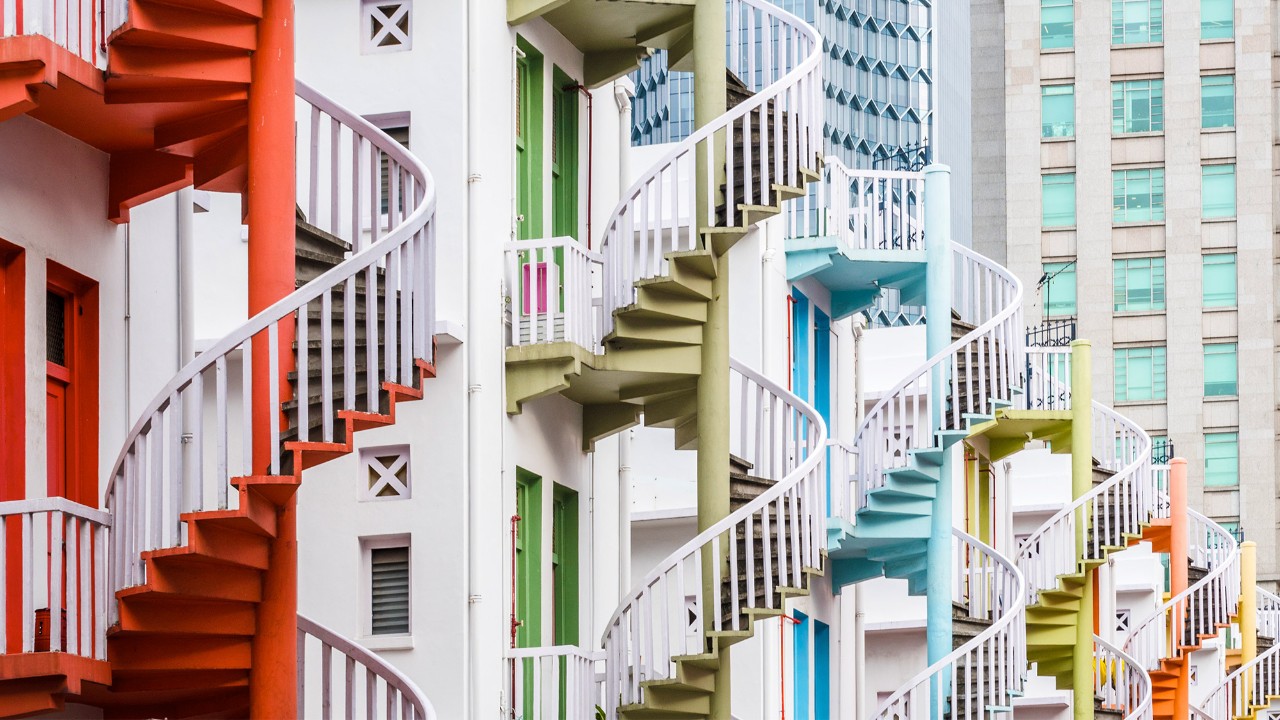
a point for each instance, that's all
(1179, 545)
(272, 678)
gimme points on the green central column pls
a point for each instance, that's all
(1081, 483)
(709, 102)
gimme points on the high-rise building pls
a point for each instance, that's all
(1124, 170)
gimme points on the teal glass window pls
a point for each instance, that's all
(1217, 101)
(1219, 280)
(1137, 21)
(1218, 191)
(1217, 19)
(1058, 200)
(1140, 373)
(1057, 111)
(1137, 106)
(1057, 24)
(1221, 459)
(1060, 288)
(1220, 369)
(1138, 284)
(1137, 195)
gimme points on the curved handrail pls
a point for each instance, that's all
(159, 472)
(1118, 507)
(1268, 614)
(1178, 624)
(783, 64)
(1250, 686)
(1128, 690)
(987, 296)
(993, 589)
(385, 700)
(784, 439)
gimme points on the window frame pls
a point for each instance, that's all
(1222, 174)
(1159, 373)
(1204, 285)
(1221, 437)
(1218, 26)
(1213, 81)
(1053, 271)
(1155, 210)
(368, 544)
(1054, 91)
(1155, 289)
(390, 28)
(1045, 182)
(1059, 41)
(1123, 95)
(1120, 34)
(1220, 348)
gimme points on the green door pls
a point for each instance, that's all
(528, 547)
(564, 156)
(528, 142)
(564, 575)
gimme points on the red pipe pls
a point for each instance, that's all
(791, 360)
(591, 141)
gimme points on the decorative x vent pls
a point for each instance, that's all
(386, 25)
(385, 473)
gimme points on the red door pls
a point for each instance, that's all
(57, 385)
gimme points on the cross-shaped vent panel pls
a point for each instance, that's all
(385, 25)
(384, 473)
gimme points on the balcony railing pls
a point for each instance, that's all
(1048, 385)
(1052, 333)
(80, 26)
(550, 293)
(60, 560)
(865, 209)
(555, 682)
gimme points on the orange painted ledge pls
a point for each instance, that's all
(56, 59)
(76, 669)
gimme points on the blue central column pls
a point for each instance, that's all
(938, 279)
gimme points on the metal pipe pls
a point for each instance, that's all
(859, 614)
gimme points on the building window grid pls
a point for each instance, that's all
(1137, 106)
(1218, 280)
(1057, 24)
(1137, 21)
(1221, 370)
(1058, 200)
(1217, 19)
(1222, 459)
(1217, 101)
(1060, 288)
(1058, 111)
(1218, 191)
(1138, 195)
(1140, 374)
(1138, 284)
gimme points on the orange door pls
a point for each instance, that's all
(57, 389)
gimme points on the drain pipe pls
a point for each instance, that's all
(622, 96)
(859, 613)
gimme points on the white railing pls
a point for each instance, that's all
(58, 559)
(339, 678)
(1269, 615)
(783, 438)
(160, 472)
(549, 292)
(842, 461)
(1119, 682)
(1251, 686)
(1179, 625)
(988, 668)
(79, 26)
(864, 209)
(555, 682)
(1048, 385)
(1102, 517)
(988, 297)
(774, 53)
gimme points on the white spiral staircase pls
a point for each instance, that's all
(1254, 687)
(164, 583)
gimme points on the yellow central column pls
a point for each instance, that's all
(709, 101)
(1081, 483)
(1248, 612)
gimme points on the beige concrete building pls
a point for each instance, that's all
(1123, 167)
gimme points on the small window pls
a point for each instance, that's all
(389, 590)
(1122, 621)
(1219, 280)
(1137, 106)
(55, 316)
(1060, 288)
(1218, 191)
(1220, 370)
(1058, 111)
(1057, 24)
(1218, 101)
(384, 473)
(1140, 374)
(1137, 21)
(1137, 195)
(385, 25)
(1217, 19)
(1221, 459)
(1058, 200)
(1138, 284)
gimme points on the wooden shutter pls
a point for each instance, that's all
(389, 569)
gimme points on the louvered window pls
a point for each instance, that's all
(56, 328)
(400, 135)
(389, 590)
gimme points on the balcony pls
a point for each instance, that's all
(860, 233)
